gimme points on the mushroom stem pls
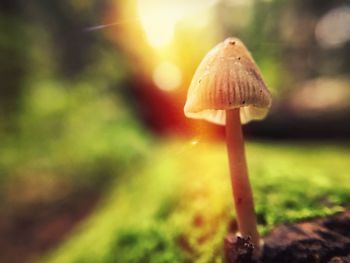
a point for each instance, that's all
(242, 192)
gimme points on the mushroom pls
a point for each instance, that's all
(227, 89)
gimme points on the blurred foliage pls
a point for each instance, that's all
(81, 132)
(62, 107)
(177, 207)
(265, 44)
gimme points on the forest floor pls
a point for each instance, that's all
(177, 206)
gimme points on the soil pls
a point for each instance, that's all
(319, 240)
(29, 230)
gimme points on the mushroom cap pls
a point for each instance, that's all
(227, 78)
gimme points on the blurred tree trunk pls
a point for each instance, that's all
(12, 54)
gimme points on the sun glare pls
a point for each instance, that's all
(159, 18)
(158, 22)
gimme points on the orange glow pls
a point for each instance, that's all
(165, 41)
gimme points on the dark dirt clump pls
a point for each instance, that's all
(239, 249)
(320, 240)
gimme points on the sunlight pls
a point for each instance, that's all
(158, 22)
(159, 18)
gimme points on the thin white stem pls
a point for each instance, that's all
(242, 192)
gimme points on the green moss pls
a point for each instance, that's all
(177, 208)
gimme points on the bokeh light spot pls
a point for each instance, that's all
(333, 30)
(194, 141)
(167, 76)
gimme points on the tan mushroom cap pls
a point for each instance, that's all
(227, 78)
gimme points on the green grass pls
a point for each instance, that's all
(177, 206)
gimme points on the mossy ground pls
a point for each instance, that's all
(177, 206)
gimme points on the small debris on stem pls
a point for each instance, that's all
(239, 250)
